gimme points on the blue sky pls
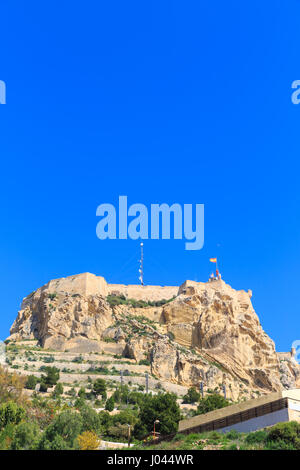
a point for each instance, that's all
(163, 102)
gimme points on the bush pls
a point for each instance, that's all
(59, 390)
(11, 413)
(62, 432)
(232, 435)
(144, 362)
(88, 440)
(110, 404)
(171, 335)
(162, 407)
(232, 447)
(26, 436)
(285, 433)
(90, 419)
(52, 296)
(43, 387)
(114, 300)
(192, 396)
(52, 376)
(99, 388)
(212, 402)
(81, 393)
(31, 382)
(48, 359)
(279, 445)
(256, 437)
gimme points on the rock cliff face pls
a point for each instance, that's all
(207, 333)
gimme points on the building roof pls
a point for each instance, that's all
(223, 413)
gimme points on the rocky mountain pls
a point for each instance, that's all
(198, 332)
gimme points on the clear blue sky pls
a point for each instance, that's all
(162, 101)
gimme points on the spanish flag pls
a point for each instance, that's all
(213, 260)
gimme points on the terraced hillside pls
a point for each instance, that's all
(180, 336)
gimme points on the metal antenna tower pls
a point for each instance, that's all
(141, 270)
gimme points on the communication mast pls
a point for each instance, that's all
(141, 270)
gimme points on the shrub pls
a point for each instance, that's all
(279, 445)
(171, 335)
(162, 407)
(287, 433)
(62, 432)
(59, 390)
(232, 447)
(81, 393)
(192, 396)
(88, 440)
(26, 436)
(99, 388)
(43, 387)
(232, 435)
(90, 419)
(11, 413)
(144, 362)
(110, 404)
(52, 296)
(256, 437)
(78, 359)
(52, 376)
(31, 382)
(48, 359)
(212, 402)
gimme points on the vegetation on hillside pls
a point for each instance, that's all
(282, 436)
(51, 422)
(43, 422)
(114, 300)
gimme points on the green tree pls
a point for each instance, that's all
(125, 417)
(99, 388)
(57, 443)
(26, 436)
(43, 387)
(81, 393)
(63, 431)
(59, 390)
(110, 404)
(105, 420)
(52, 376)
(79, 403)
(90, 419)
(31, 382)
(211, 402)
(192, 396)
(11, 413)
(117, 395)
(162, 407)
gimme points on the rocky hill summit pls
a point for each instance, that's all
(198, 332)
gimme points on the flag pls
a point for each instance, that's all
(213, 260)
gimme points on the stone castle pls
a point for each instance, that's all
(200, 331)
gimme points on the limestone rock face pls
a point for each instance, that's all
(221, 322)
(60, 320)
(205, 332)
(289, 371)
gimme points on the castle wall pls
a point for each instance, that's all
(143, 292)
(84, 284)
(89, 284)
